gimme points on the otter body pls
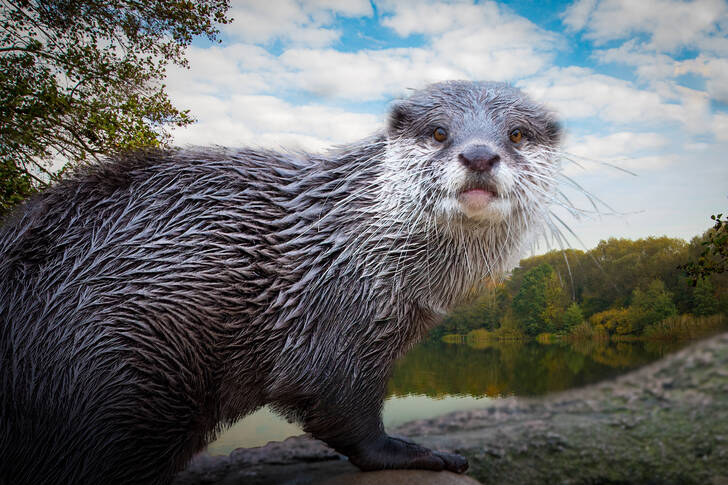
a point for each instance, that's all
(149, 301)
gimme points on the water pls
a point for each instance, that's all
(435, 378)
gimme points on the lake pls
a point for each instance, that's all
(435, 378)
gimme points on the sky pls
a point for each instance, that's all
(641, 88)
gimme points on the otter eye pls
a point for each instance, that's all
(440, 134)
(516, 135)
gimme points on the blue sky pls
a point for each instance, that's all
(642, 86)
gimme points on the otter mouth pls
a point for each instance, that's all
(475, 197)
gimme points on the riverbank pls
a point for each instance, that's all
(672, 329)
(665, 423)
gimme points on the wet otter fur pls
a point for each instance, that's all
(151, 300)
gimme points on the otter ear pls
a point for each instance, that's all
(399, 117)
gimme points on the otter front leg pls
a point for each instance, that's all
(354, 428)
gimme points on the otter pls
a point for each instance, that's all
(149, 301)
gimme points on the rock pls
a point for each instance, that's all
(297, 460)
(401, 477)
(292, 450)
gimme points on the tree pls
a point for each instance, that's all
(614, 320)
(82, 78)
(530, 303)
(714, 257)
(556, 303)
(704, 300)
(650, 306)
(572, 317)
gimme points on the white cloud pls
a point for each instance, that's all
(669, 24)
(301, 22)
(381, 74)
(616, 144)
(433, 18)
(655, 30)
(627, 150)
(656, 68)
(714, 70)
(581, 93)
(267, 121)
(720, 127)
(466, 42)
(649, 66)
(577, 14)
(230, 68)
(484, 41)
(362, 75)
(697, 147)
(474, 42)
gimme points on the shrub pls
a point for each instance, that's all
(684, 327)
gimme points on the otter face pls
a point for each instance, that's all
(475, 153)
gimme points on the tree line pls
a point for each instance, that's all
(621, 288)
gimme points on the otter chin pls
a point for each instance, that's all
(148, 301)
(482, 204)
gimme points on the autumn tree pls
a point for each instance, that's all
(556, 303)
(82, 78)
(614, 320)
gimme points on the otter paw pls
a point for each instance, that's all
(454, 463)
(393, 452)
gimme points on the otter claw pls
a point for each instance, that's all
(454, 463)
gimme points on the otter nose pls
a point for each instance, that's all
(479, 158)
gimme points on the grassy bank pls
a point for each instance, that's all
(675, 328)
(685, 327)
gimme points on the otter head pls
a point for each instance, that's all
(472, 154)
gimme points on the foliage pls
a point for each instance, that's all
(79, 79)
(530, 304)
(480, 338)
(487, 311)
(573, 316)
(650, 306)
(704, 299)
(509, 333)
(620, 288)
(479, 334)
(556, 303)
(582, 331)
(614, 320)
(600, 333)
(14, 186)
(714, 256)
(605, 276)
(684, 327)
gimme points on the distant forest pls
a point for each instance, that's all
(620, 289)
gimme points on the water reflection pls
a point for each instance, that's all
(495, 369)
